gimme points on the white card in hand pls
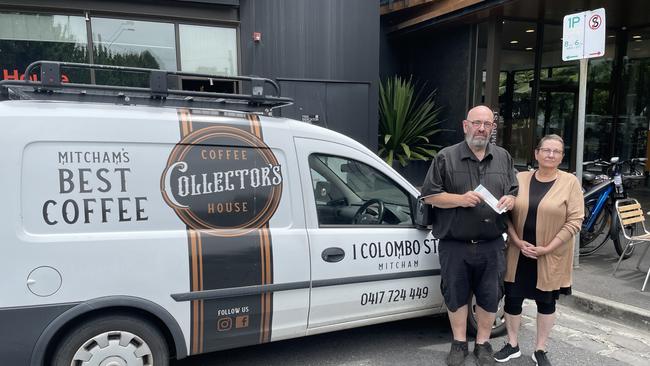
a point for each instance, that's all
(489, 198)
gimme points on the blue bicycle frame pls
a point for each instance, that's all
(605, 190)
(601, 222)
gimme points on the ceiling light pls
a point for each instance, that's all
(638, 40)
(636, 37)
(529, 48)
(612, 36)
(530, 30)
(514, 42)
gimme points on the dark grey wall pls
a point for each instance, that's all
(441, 58)
(315, 39)
(389, 62)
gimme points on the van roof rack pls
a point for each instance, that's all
(159, 92)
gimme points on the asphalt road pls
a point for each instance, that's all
(578, 339)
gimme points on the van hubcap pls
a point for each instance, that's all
(114, 348)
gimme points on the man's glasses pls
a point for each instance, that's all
(547, 151)
(486, 124)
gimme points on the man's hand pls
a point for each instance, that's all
(506, 201)
(470, 199)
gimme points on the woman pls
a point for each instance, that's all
(547, 215)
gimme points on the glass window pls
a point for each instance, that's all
(557, 104)
(515, 89)
(348, 192)
(132, 43)
(633, 119)
(25, 38)
(480, 75)
(208, 50)
(599, 120)
(558, 97)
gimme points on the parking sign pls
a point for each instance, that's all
(583, 35)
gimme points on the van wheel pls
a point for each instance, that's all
(116, 340)
(499, 326)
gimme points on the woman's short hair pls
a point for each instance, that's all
(550, 137)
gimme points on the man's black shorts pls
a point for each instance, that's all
(476, 268)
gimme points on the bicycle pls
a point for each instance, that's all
(603, 191)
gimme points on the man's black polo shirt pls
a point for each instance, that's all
(457, 170)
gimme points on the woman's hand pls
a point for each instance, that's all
(540, 251)
(527, 249)
(520, 243)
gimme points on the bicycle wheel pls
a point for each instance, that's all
(592, 240)
(620, 241)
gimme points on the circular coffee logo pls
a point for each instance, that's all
(224, 180)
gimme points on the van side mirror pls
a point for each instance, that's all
(423, 214)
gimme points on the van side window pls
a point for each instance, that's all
(348, 192)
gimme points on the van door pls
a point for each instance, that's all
(368, 260)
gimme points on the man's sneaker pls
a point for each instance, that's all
(540, 358)
(507, 353)
(457, 354)
(483, 353)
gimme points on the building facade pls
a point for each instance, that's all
(324, 53)
(507, 54)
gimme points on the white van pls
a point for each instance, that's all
(142, 224)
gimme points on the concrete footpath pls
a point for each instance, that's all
(618, 298)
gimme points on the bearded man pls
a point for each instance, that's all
(471, 247)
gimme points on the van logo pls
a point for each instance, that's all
(222, 179)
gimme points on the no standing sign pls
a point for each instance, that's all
(583, 35)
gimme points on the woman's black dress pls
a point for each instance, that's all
(526, 275)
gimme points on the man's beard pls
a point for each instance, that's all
(476, 143)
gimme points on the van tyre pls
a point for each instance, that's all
(116, 340)
(499, 326)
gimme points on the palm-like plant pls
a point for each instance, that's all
(407, 122)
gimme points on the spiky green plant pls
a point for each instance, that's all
(408, 119)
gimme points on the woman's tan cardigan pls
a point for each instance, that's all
(560, 214)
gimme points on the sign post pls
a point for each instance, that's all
(583, 37)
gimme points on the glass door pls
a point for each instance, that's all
(557, 109)
(633, 114)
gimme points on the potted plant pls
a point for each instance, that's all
(408, 119)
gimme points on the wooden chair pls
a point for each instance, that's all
(630, 215)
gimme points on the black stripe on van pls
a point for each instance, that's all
(226, 252)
